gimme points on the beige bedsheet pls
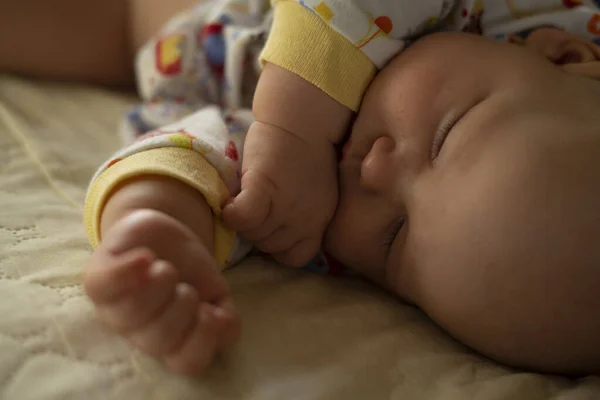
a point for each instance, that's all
(305, 337)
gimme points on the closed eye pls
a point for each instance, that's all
(442, 133)
(448, 124)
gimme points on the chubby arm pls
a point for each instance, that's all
(302, 108)
(166, 195)
(153, 278)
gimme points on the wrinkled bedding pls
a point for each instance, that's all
(305, 336)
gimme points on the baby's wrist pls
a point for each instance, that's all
(163, 194)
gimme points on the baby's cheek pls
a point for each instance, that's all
(340, 238)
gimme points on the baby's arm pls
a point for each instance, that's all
(153, 277)
(308, 111)
(164, 195)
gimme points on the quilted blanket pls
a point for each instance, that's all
(305, 336)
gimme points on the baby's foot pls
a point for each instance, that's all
(153, 281)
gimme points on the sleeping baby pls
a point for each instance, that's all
(468, 183)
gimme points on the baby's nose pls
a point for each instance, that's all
(377, 168)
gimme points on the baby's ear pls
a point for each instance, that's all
(574, 53)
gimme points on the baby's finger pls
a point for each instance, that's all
(250, 208)
(168, 329)
(279, 241)
(110, 277)
(197, 266)
(300, 253)
(134, 310)
(228, 322)
(199, 347)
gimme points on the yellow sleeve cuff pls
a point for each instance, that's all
(304, 44)
(181, 164)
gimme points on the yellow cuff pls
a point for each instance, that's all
(181, 164)
(304, 44)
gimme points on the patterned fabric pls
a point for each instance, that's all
(381, 28)
(215, 134)
(205, 56)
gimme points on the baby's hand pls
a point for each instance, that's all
(289, 169)
(153, 281)
(289, 193)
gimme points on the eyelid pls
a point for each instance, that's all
(449, 122)
(442, 133)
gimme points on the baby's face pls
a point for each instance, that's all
(468, 154)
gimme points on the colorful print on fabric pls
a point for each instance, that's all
(231, 151)
(378, 27)
(475, 18)
(520, 9)
(323, 11)
(168, 53)
(213, 43)
(593, 25)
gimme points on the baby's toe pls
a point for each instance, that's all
(167, 330)
(137, 308)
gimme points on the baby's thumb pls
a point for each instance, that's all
(247, 211)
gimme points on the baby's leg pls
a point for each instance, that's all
(153, 278)
(92, 41)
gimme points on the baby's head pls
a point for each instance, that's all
(473, 173)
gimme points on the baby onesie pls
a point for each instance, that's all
(197, 78)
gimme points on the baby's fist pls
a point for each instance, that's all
(288, 196)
